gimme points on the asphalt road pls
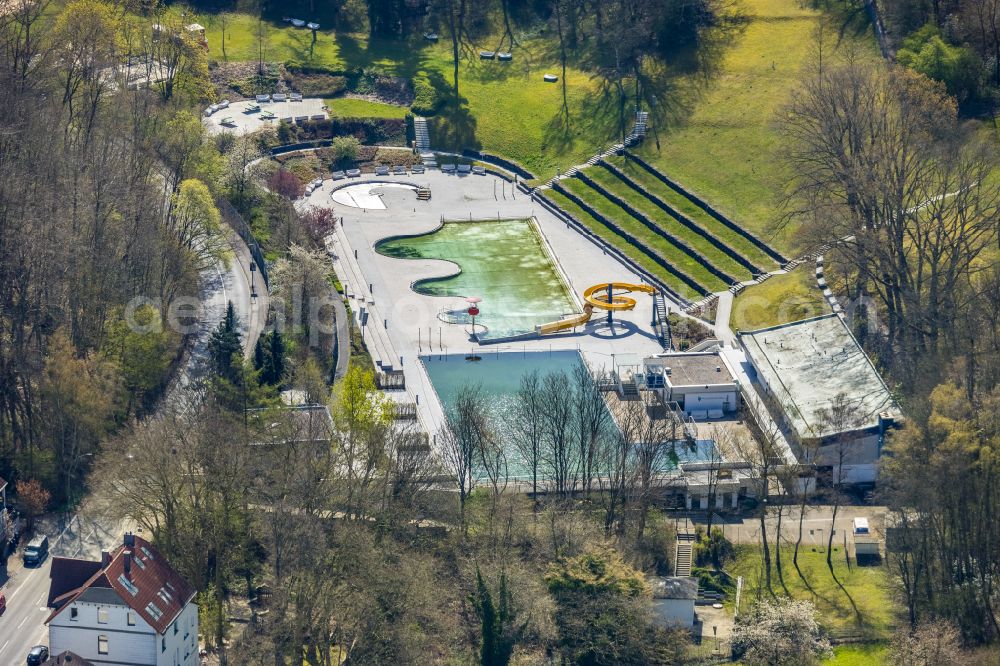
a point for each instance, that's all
(27, 589)
(220, 285)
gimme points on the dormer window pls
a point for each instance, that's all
(102, 615)
(73, 612)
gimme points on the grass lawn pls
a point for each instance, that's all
(505, 108)
(683, 205)
(621, 243)
(778, 300)
(872, 654)
(682, 261)
(699, 242)
(352, 107)
(869, 587)
(727, 149)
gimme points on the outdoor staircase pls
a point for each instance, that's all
(422, 142)
(683, 554)
(629, 389)
(423, 137)
(635, 136)
(661, 322)
(423, 194)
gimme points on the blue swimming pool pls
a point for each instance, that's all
(499, 375)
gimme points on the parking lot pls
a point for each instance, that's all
(240, 119)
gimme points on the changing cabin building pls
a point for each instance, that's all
(701, 384)
(130, 609)
(824, 391)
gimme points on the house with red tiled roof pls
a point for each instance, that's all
(130, 609)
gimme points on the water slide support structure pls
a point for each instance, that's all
(601, 296)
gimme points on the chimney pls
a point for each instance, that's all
(105, 559)
(129, 540)
(127, 562)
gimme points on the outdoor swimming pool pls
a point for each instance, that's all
(504, 262)
(498, 376)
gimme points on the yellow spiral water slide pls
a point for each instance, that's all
(605, 296)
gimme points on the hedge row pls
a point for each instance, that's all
(369, 131)
(707, 207)
(683, 219)
(513, 167)
(650, 252)
(656, 229)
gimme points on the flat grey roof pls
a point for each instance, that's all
(694, 369)
(674, 587)
(807, 364)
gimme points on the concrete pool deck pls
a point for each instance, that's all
(403, 324)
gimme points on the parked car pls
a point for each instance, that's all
(36, 551)
(37, 655)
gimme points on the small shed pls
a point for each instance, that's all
(673, 600)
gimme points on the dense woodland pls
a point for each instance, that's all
(355, 547)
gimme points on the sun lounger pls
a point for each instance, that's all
(399, 170)
(448, 168)
(295, 97)
(381, 171)
(464, 168)
(487, 55)
(505, 56)
(278, 97)
(479, 170)
(267, 115)
(550, 78)
(252, 108)
(301, 119)
(337, 175)
(288, 119)
(227, 122)
(318, 116)
(353, 173)
(262, 99)
(417, 168)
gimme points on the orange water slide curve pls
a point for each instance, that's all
(597, 297)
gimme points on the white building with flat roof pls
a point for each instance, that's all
(700, 383)
(824, 389)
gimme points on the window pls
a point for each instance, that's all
(130, 618)
(102, 615)
(163, 645)
(102, 645)
(73, 612)
(128, 585)
(175, 627)
(153, 611)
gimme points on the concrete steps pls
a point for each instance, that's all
(421, 134)
(683, 554)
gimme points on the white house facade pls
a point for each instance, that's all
(133, 610)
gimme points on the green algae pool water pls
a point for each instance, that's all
(504, 262)
(498, 376)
